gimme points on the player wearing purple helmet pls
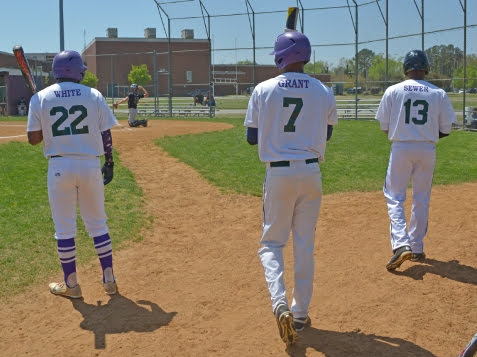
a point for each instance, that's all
(73, 121)
(290, 117)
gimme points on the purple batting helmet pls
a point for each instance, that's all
(69, 64)
(291, 47)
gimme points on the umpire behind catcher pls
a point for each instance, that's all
(133, 98)
(290, 117)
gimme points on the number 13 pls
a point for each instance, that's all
(422, 112)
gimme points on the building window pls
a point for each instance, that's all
(189, 76)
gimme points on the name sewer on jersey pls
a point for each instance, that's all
(416, 89)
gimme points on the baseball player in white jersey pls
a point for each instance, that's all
(414, 114)
(74, 123)
(290, 117)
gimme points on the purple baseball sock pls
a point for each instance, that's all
(104, 249)
(67, 253)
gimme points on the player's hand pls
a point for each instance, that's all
(115, 105)
(107, 171)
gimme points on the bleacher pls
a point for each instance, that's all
(367, 108)
(192, 111)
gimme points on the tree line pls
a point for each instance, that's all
(446, 69)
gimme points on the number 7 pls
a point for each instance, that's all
(290, 126)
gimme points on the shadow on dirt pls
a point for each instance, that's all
(452, 270)
(120, 315)
(355, 343)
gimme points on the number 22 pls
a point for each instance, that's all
(72, 129)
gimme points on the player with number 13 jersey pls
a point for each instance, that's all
(414, 114)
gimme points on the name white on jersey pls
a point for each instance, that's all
(415, 110)
(71, 117)
(292, 112)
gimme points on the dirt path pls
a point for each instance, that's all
(195, 286)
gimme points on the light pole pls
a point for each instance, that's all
(62, 33)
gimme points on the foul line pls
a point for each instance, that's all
(10, 137)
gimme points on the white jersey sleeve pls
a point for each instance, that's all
(251, 117)
(446, 115)
(71, 117)
(415, 110)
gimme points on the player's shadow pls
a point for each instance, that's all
(355, 343)
(451, 270)
(120, 315)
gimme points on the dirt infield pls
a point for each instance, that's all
(195, 286)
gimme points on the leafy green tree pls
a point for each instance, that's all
(471, 76)
(444, 60)
(365, 60)
(90, 79)
(139, 75)
(377, 72)
(317, 67)
(343, 72)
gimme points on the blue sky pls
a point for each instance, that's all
(35, 25)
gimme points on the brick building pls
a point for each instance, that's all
(110, 59)
(12, 85)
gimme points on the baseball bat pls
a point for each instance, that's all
(25, 68)
(292, 17)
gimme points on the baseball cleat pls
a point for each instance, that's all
(418, 257)
(64, 290)
(299, 323)
(285, 324)
(471, 348)
(110, 288)
(400, 256)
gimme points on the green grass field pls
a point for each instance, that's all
(27, 245)
(356, 160)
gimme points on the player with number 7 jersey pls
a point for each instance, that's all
(290, 117)
(73, 121)
(414, 114)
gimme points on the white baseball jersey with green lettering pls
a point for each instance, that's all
(292, 112)
(71, 117)
(413, 113)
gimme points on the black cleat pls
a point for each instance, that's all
(299, 323)
(418, 257)
(400, 256)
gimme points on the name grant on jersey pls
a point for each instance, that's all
(67, 93)
(294, 83)
(416, 88)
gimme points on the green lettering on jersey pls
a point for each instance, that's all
(73, 128)
(290, 126)
(422, 112)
